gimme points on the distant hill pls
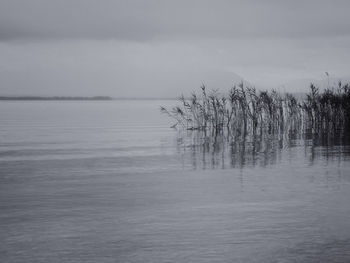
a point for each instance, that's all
(303, 85)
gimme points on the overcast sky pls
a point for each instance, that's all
(163, 48)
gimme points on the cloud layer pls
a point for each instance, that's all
(145, 20)
(162, 47)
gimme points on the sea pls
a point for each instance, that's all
(111, 181)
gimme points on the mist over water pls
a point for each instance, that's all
(110, 181)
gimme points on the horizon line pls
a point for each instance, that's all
(21, 97)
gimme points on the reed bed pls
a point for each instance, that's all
(246, 111)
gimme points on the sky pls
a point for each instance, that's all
(162, 48)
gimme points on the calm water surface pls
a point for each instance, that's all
(109, 181)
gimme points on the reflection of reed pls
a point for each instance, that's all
(224, 151)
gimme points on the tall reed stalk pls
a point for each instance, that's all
(244, 110)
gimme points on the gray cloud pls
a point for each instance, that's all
(147, 20)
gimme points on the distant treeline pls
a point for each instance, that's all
(54, 98)
(244, 110)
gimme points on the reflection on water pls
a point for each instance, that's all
(221, 151)
(132, 136)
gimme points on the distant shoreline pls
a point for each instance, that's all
(54, 98)
(75, 98)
